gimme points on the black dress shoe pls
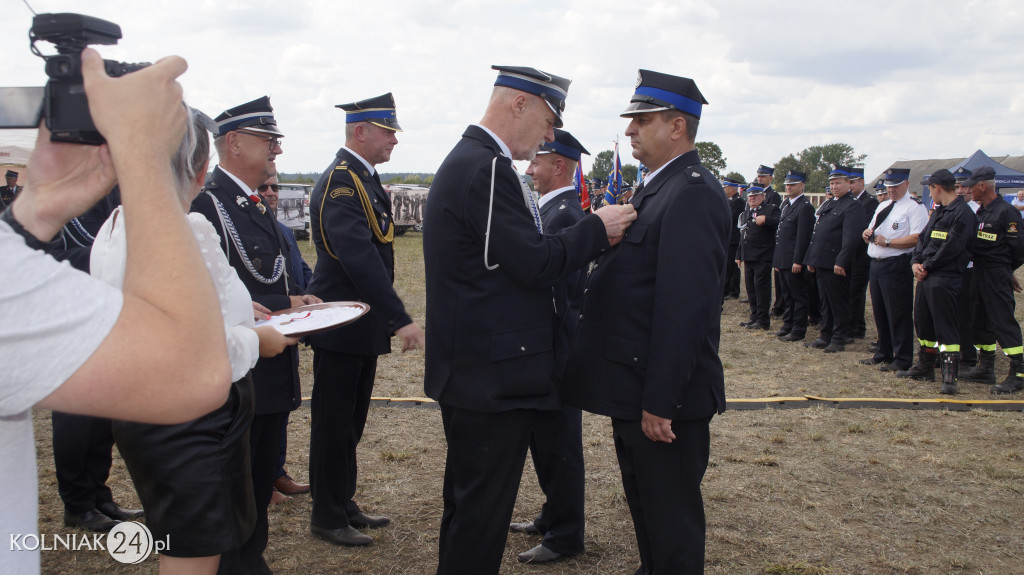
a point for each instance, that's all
(93, 520)
(792, 336)
(873, 360)
(744, 300)
(346, 537)
(115, 511)
(756, 325)
(362, 521)
(835, 347)
(528, 527)
(843, 340)
(539, 554)
(817, 344)
(746, 323)
(892, 366)
(873, 346)
(782, 332)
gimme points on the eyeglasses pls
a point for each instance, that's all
(273, 141)
(264, 187)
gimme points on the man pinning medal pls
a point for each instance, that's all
(489, 272)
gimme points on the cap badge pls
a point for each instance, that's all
(639, 79)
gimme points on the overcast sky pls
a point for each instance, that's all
(895, 79)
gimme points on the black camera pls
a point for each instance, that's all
(64, 105)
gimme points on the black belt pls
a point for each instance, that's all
(906, 255)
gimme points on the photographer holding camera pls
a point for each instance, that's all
(74, 344)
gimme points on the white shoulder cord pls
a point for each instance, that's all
(490, 209)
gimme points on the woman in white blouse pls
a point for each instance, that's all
(193, 478)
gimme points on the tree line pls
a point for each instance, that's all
(816, 161)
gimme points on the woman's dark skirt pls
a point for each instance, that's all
(194, 478)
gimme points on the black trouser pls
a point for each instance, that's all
(82, 457)
(795, 291)
(834, 291)
(486, 453)
(779, 305)
(265, 450)
(758, 276)
(342, 385)
(859, 288)
(732, 273)
(965, 315)
(814, 303)
(994, 307)
(935, 315)
(892, 301)
(557, 450)
(662, 486)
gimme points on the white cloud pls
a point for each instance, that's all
(909, 79)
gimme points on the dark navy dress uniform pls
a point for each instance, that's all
(352, 229)
(836, 238)
(240, 222)
(943, 249)
(7, 195)
(773, 198)
(490, 337)
(861, 265)
(732, 270)
(557, 443)
(755, 252)
(652, 304)
(796, 223)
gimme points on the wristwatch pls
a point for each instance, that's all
(887, 242)
(30, 240)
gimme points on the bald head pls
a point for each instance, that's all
(522, 120)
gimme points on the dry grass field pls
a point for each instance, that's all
(815, 490)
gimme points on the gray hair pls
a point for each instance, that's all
(193, 152)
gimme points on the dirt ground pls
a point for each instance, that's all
(815, 490)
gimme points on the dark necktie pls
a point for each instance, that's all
(785, 208)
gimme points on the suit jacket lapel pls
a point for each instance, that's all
(374, 189)
(232, 192)
(677, 165)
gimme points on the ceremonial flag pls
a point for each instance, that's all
(639, 175)
(611, 195)
(581, 187)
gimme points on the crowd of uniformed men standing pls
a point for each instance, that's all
(947, 274)
(496, 258)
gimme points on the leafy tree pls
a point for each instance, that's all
(711, 157)
(602, 166)
(817, 162)
(736, 177)
(629, 174)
